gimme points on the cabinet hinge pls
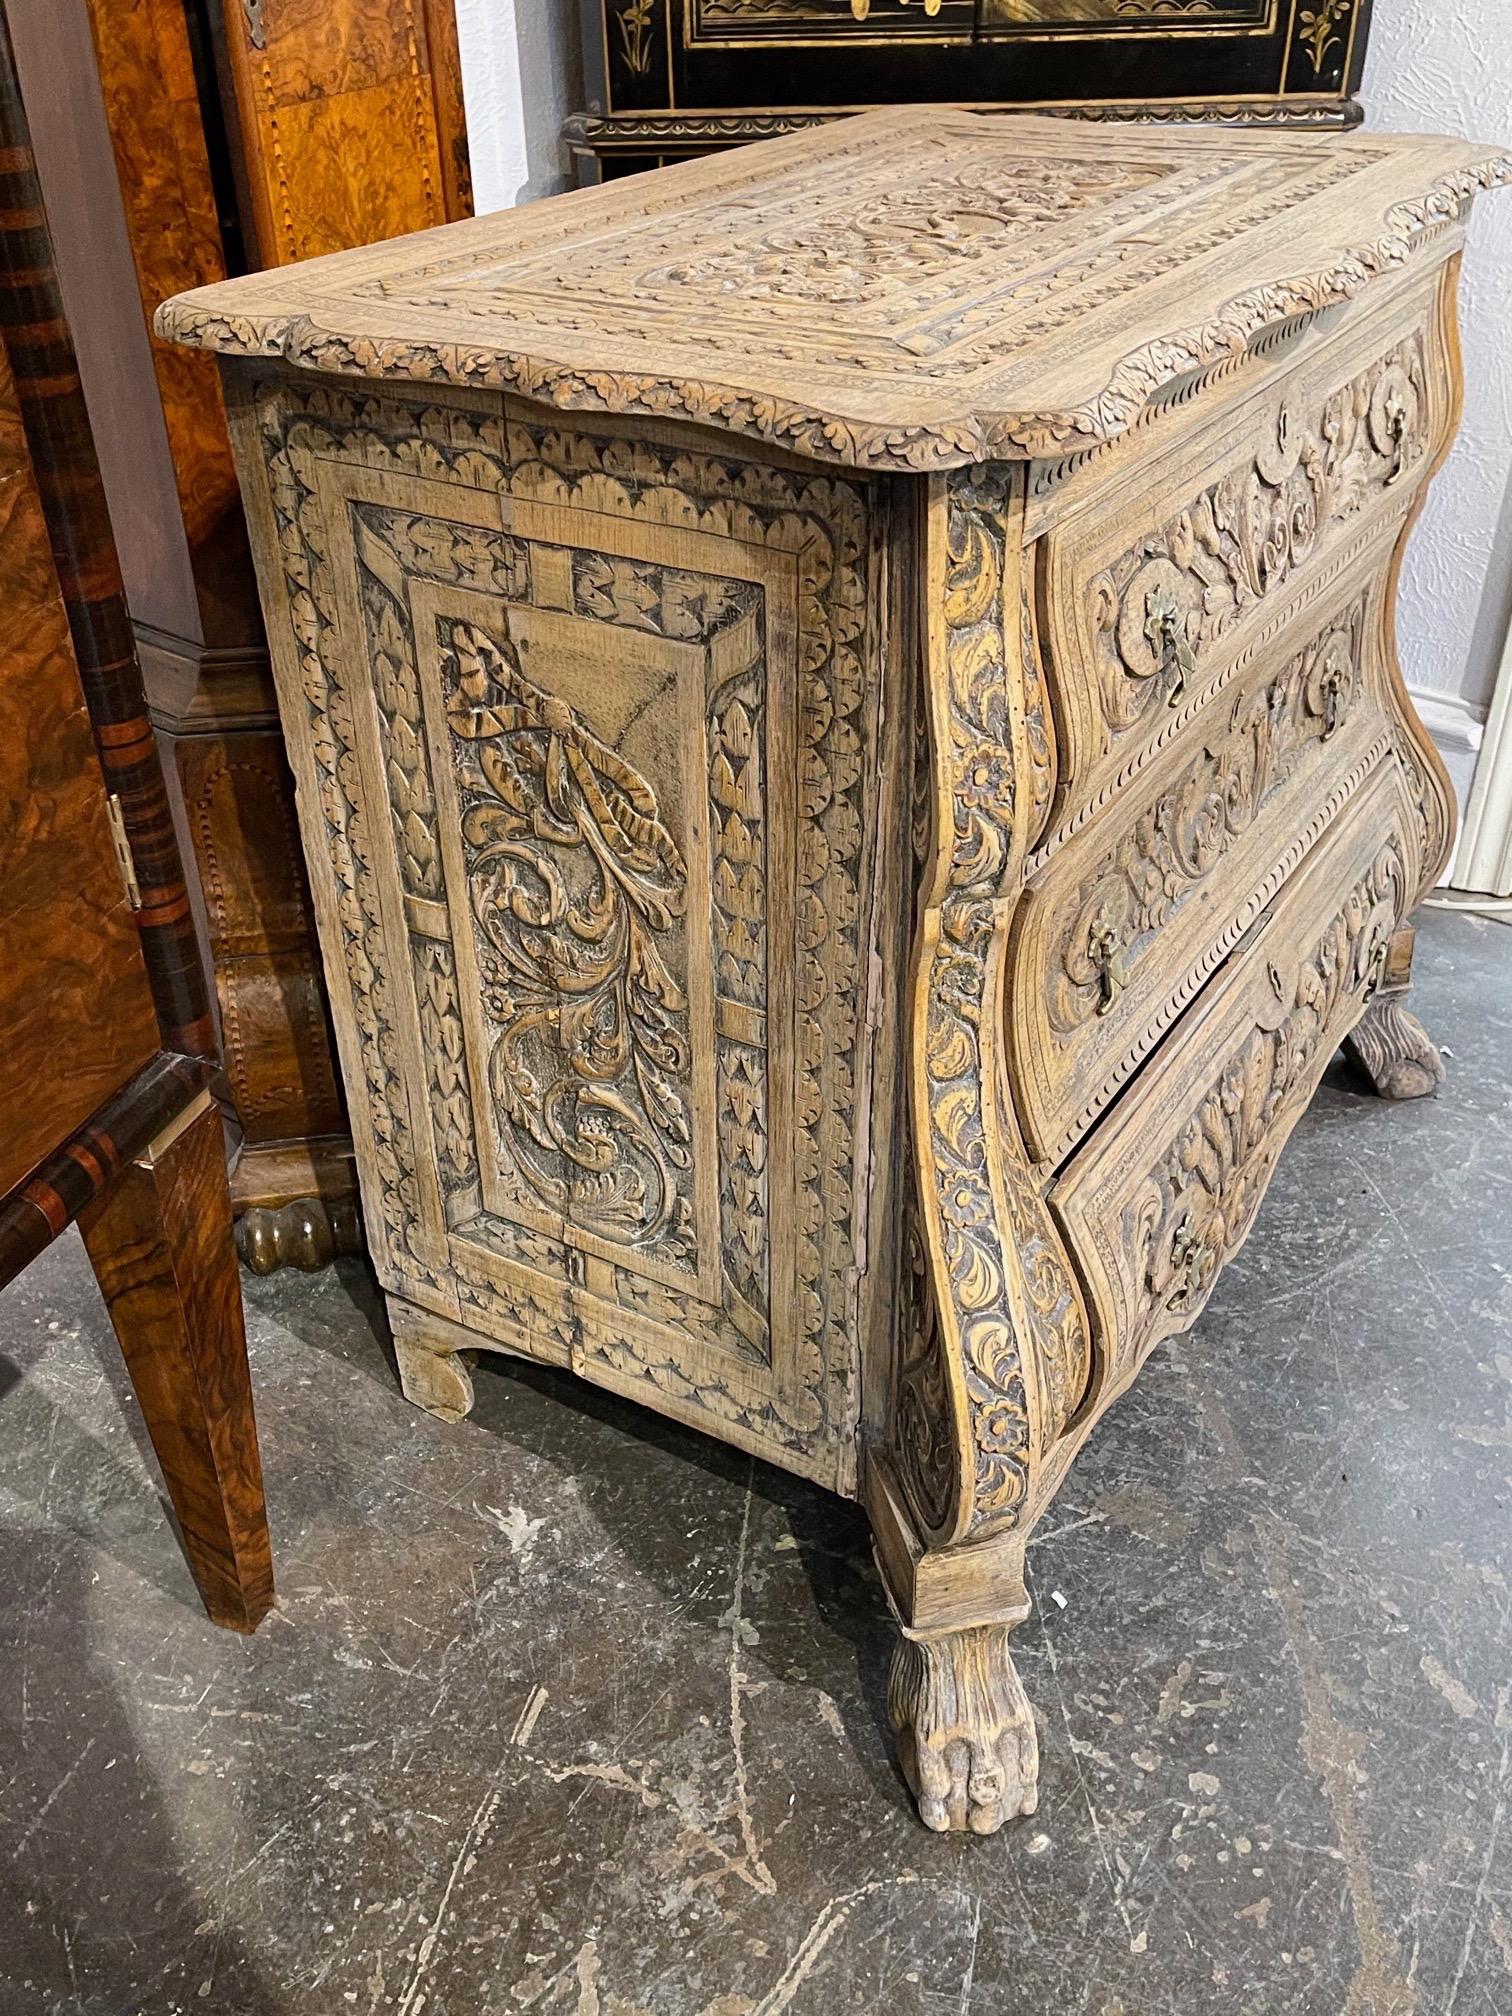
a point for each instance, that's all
(123, 851)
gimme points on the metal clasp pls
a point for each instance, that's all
(1167, 634)
(1376, 972)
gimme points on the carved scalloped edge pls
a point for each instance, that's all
(942, 445)
(1213, 957)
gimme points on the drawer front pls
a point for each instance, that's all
(1162, 574)
(1166, 1189)
(1122, 924)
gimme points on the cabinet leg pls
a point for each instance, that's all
(433, 1362)
(964, 1728)
(160, 1244)
(307, 1232)
(1389, 1043)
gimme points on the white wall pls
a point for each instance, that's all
(1446, 66)
(521, 76)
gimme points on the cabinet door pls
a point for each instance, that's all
(76, 1016)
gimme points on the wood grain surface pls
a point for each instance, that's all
(352, 120)
(160, 1244)
(74, 1001)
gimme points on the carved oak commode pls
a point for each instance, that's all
(855, 774)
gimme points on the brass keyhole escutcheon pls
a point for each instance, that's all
(1167, 634)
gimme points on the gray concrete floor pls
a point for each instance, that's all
(566, 1709)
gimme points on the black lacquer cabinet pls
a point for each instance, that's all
(670, 78)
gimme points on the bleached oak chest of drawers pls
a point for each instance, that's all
(855, 773)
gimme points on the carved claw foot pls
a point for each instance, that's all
(1395, 1051)
(964, 1729)
(437, 1380)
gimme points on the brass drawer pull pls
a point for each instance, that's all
(1395, 410)
(1333, 699)
(1167, 634)
(1106, 954)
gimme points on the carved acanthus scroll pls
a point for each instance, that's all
(574, 882)
(1166, 857)
(1200, 1200)
(1003, 1345)
(1166, 601)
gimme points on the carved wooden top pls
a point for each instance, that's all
(913, 288)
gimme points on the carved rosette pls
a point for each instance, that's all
(1001, 1357)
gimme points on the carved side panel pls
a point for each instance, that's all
(998, 1356)
(590, 732)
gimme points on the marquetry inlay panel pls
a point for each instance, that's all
(831, 944)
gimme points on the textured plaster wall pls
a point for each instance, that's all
(521, 76)
(1446, 66)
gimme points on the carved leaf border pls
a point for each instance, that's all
(1008, 1345)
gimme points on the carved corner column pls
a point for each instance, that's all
(995, 1351)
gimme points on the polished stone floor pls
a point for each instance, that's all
(564, 1709)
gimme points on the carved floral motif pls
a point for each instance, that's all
(1182, 588)
(1010, 1313)
(918, 232)
(1200, 1201)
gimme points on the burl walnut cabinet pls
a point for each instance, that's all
(855, 773)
